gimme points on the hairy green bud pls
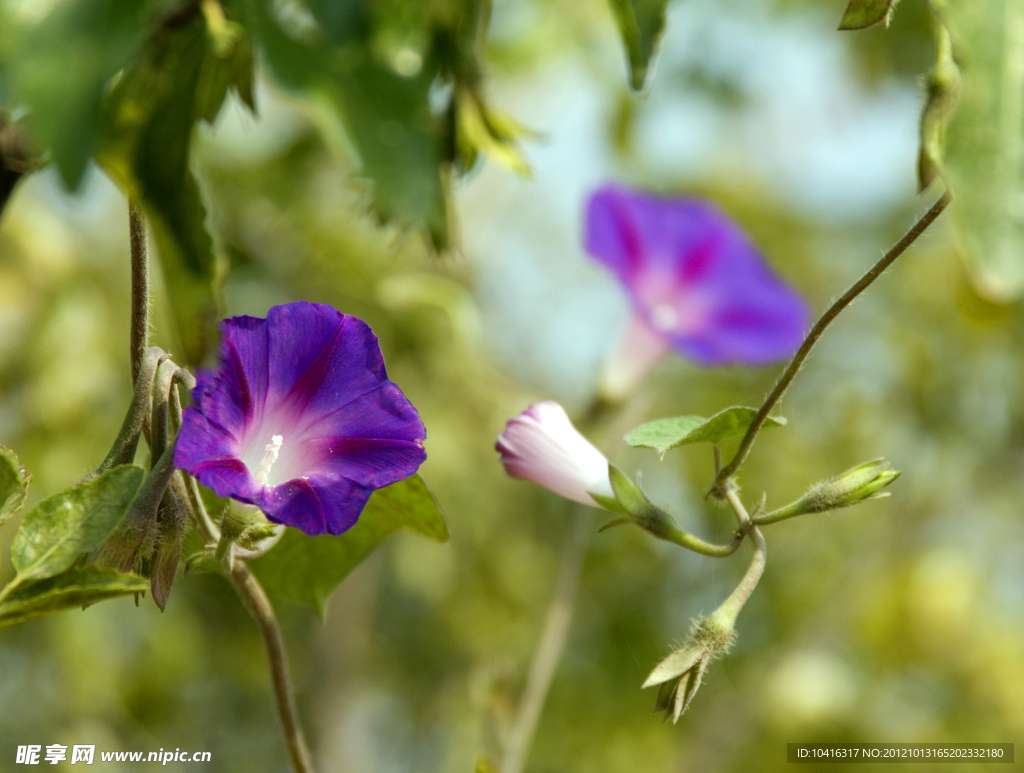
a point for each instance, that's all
(680, 674)
(858, 484)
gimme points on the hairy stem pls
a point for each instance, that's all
(127, 440)
(686, 540)
(139, 337)
(549, 651)
(736, 504)
(188, 486)
(256, 600)
(819, 327)
(730, 608)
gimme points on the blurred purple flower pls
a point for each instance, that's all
(300, 418)
(542, 445)
(696, 282)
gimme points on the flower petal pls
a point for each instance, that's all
(375, 439)
(639, 351)
(210, 454)
(319, 357)
(319, 504)
(234, 395)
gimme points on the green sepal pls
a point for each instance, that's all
(631, 500)
(75, 588)
(482, 129)
(663, 435)
(609, 503)
(859, 484)
(306, 569)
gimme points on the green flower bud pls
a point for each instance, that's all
(171, 517)
(863, 482)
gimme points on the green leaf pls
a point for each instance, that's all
(59, 529)
(13, 484)
(75, 588)
(861, 14)
(306, 569)
(62, 71)
(984, 148)
(641, 24)
(665, 434)
(398, 141)
(227, 67)
(150, 117)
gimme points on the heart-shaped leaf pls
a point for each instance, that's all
(665, 434)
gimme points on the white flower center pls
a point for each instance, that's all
(664, 317)
(270, 454)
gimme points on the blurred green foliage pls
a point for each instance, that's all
(899, 620)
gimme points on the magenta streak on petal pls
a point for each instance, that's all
(235, 465)
(308, 383)
(698, 261)
(245, 392)
(632, 242)
(312, 419)
(366, 461)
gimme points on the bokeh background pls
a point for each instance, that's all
(896, 621)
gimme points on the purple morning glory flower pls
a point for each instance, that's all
(300, 418)
(696, 282)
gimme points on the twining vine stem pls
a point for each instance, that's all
(819, 327)
(139, 336)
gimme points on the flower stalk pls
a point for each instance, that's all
(636, 508)
(256, 601)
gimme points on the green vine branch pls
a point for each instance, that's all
(816, 331)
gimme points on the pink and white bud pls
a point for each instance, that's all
(542, 445)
